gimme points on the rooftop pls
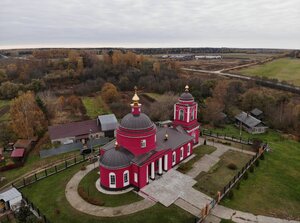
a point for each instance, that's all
(9, 194)
(108, 122)
(247, 119)
(17, 153)
(23, 143)
(256, 112)
(73, 129)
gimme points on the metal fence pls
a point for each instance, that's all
(51, 170)
(246, 141)
(221, 194)
(35, 210)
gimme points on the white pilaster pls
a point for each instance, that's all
(160, 166)
(147, 173)
(175, 112)
(152, 171)
(166, 162)
(188, 114)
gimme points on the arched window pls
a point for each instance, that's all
(189, 149)
(126, 178)
(112, 180)
(181, 114)
(173, 158)
(181, 153)
(192, 114)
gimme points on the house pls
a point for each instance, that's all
(21, 148)
(10, 199)
(25, 144)
(18, 154)
(83, 130)
(208, 57)
(143, 151)
(256, 113)
(250, 123)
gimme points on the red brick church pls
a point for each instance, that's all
(143, 150)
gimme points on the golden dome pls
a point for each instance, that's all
(186, 88)
(135, 97)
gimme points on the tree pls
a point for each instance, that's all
(110, 93)
(212, 112)
(28, 119)
(6, 133)
(156, 68)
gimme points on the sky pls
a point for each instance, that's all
(150, 23)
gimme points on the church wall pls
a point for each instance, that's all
(104, 176)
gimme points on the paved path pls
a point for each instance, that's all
(81, 205)
(244, 217)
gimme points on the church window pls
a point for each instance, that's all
(126, 177)
(112, 180)
(192, 114)
(181, 153)
(181, 114)
(174, 158)
(189, 149)
(143, 143)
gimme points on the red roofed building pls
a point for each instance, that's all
(142, 150)
(18, 153)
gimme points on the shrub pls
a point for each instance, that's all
(246, 176)
(230, 194)
(83, 167)
(86, 197)
(262, 156)
(232, 166)
(251, 169)
(257, 163)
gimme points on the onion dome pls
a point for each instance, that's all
(116, 158)
(186, 95)
(136, 122)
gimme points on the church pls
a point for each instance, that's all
(142, 151)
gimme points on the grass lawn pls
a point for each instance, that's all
(88, 183)
(274, 187)
(4, 103)
(199, 151)
(49, 196)
(33, 162)
(286, 69)
(154, 96)
(94, 106)
(219, 175)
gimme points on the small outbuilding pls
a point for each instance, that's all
(10, 199)
(257, 113)
(250, 123)
(108, 124)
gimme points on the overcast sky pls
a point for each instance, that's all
(150, 23)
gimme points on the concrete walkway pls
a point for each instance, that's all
(81, 205)
(244, 217)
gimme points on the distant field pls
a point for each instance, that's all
(285, 69)
(94, 106)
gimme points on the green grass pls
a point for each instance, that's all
(154, 96)
(94, 106)
(199, 151)
(226, 221)
(33, 162)
(88, 183)
(274, 187)
(285, 69)
(219, 175)
(49, 196)
(4, 103)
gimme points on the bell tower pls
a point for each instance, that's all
(185, 114)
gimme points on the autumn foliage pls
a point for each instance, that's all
(27, 118)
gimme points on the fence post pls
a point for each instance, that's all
(24, 182)
(75, 159)
(66, 164)
(46, 172)
(55, 169)
(35, 176)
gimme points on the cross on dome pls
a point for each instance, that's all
(135, 97)
(187, 88)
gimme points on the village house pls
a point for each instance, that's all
(104, 125)
(250, 123)
(142, 151)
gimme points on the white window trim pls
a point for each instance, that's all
(182, 114)
(189, 149)
(110, 184)
(181, 153)
(126, 183)
(173, 158)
